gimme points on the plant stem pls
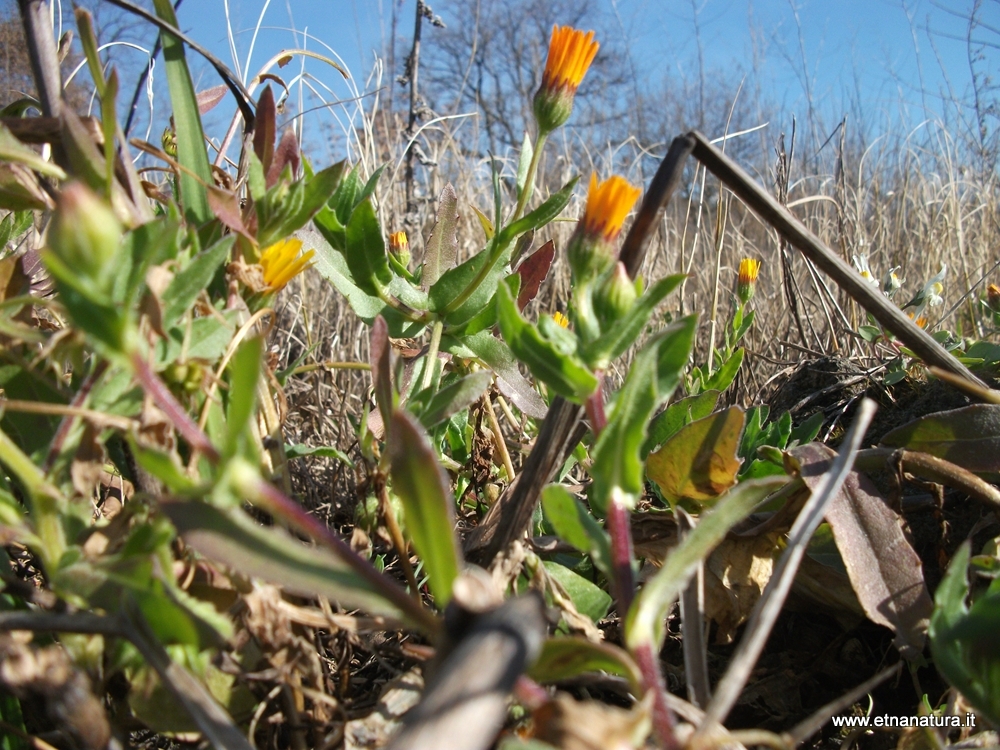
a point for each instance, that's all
(430, 361)
(664, 723)
(529, 182)
(491, 417)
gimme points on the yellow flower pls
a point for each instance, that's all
(398, 242)
(608, 203)
(749, 268)
(282, 263)
(571, 52)
(561, 319)
(993, 297)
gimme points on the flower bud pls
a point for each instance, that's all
(399, 246)
(747, 285)
(615, 297)
(85, 233)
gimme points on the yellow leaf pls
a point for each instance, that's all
(699, 462)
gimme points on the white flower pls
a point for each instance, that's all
(891, 283)
(861, 262)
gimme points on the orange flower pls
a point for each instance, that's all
(398, 242)
(282, 263)
(608, 203)
(745, 287)
(571, 52)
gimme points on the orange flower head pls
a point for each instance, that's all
(993, 297)
(608, 203)
(398, 242)
(571, 52)
(282, 263)
(746, 286)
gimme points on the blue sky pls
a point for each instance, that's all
(893, 58)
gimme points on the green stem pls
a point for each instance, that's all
(43, 499)
(430, 361)
(529, 186)
(529, 182)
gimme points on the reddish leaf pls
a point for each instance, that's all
(208, 98)
(286, 153)
(226, 206)
(264, 129)
(885, 572)
(533, 272)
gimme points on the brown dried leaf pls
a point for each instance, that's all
(589, 725)
(884, 569)
(735, 576)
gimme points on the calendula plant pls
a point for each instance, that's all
(146, 363)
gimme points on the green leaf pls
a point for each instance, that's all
(617, 463)
(347, 196)
(492, 352)
(488, 229)
(565, 658)
(455, 397)
(244, 372)
(612, 344)
(589, 599)
(12, 150)
(726, 374)
(541, 216)
(313, 194)
(455, 281)
(365, 250)
(648, 614)
(963, 639)
(272, 554)
(700, 462)
(332, 266)
(191, 154)
(680, 413)
(322, 451)
(422, 485)
(91, 309)
(576, 526)
(564, 373)
(651, 380)
(968, 437)
(189, 282)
